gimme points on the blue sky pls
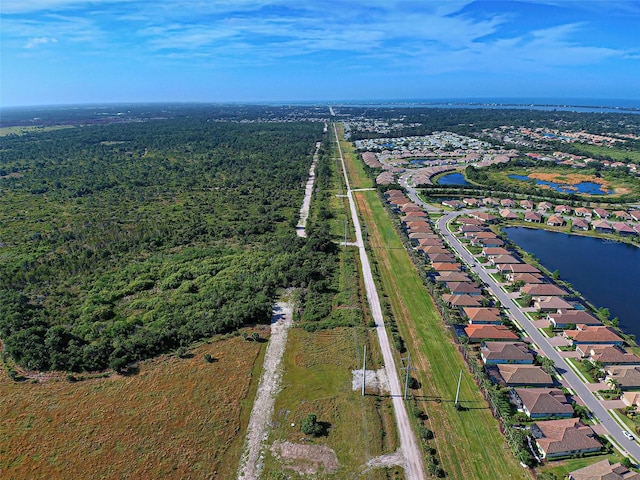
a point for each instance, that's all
(89, 51)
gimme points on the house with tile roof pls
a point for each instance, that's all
(601, 212)
(593, 335)
(565, 437)
(627, 377)
(542, 402)
(543, 290)
(505, 352)
(516, 375)
(556, 221)
(565, 318)
(551, 304)
(508, 214)
(460, 300)
(622, 228)
(562, 209)
(480, 333)
(532, 217)
(603, 470)
(464, 288)
(483, 315)
(602, 226)
(544, 206)
(484, 217)
(607, 355)
(579, 224)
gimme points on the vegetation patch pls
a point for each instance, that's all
(177, 418)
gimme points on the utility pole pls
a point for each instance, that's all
(408, 368)
(364, 370)
(458, 391)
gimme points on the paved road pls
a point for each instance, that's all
(412, 193)
(414, 469)
(615, 431)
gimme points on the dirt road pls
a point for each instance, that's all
(414, 469)
(258, 428)
(308, 191)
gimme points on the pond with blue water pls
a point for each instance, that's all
(452, 179)
(589, 188)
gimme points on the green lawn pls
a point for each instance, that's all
(614, 153)
(469, 443)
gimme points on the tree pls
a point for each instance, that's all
(310, 425)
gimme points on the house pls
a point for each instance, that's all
(464, 229)
(422, 214)
(601, 212)
(494, 251)
(631, 398)
(623, 229)
(428, 242)
(489, 201)
(417, 235)
(562, 209)
(452, 277)
(532, 217)
(420, 228)
(565, 437)
(544, 206)
(580, 224)
(455, 204)
(479, 333)
(503, 260)
(446, 267)
(441, 258)
(524, 277)
(507, 214)
(484, 217)
(431, 249)
(593, 335)
(608, 355)
(516, 375)
(507, 203)
(635, 214)
(627, 377)
(493, 353)
(602, 226)
(622, 215)
(488, 242)
(521, 268)
(472, 202)
(543, 290)
(551, 304)
(479, 235)
(556, 221)
(564, 318)
(410, 208)
(603, 470)
(464, 288)
(483, 315)
(470, 221)
(460, 300)
(526, 204)
(542, 402)
(583, 212)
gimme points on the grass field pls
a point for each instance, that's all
(614, 153)
(355, 169)
(177, 418)
(4, 131)
(469, 443)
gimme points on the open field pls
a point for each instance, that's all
(355, 169)
(4, 131)
(469, 443)
(617, 154)
(176, 418)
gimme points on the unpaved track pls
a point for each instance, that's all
(308, 191)
(413, 467)
(258, 428)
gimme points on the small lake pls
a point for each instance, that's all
(589, 188)
(606, 274)
(452, 179)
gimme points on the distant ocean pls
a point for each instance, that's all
(592, 105)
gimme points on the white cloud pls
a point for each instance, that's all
(37, 41)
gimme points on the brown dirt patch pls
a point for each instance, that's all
(569, 179)
(306, 459)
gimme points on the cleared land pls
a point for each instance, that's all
(177, 418)
(469, 443)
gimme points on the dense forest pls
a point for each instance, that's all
(125, 240)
